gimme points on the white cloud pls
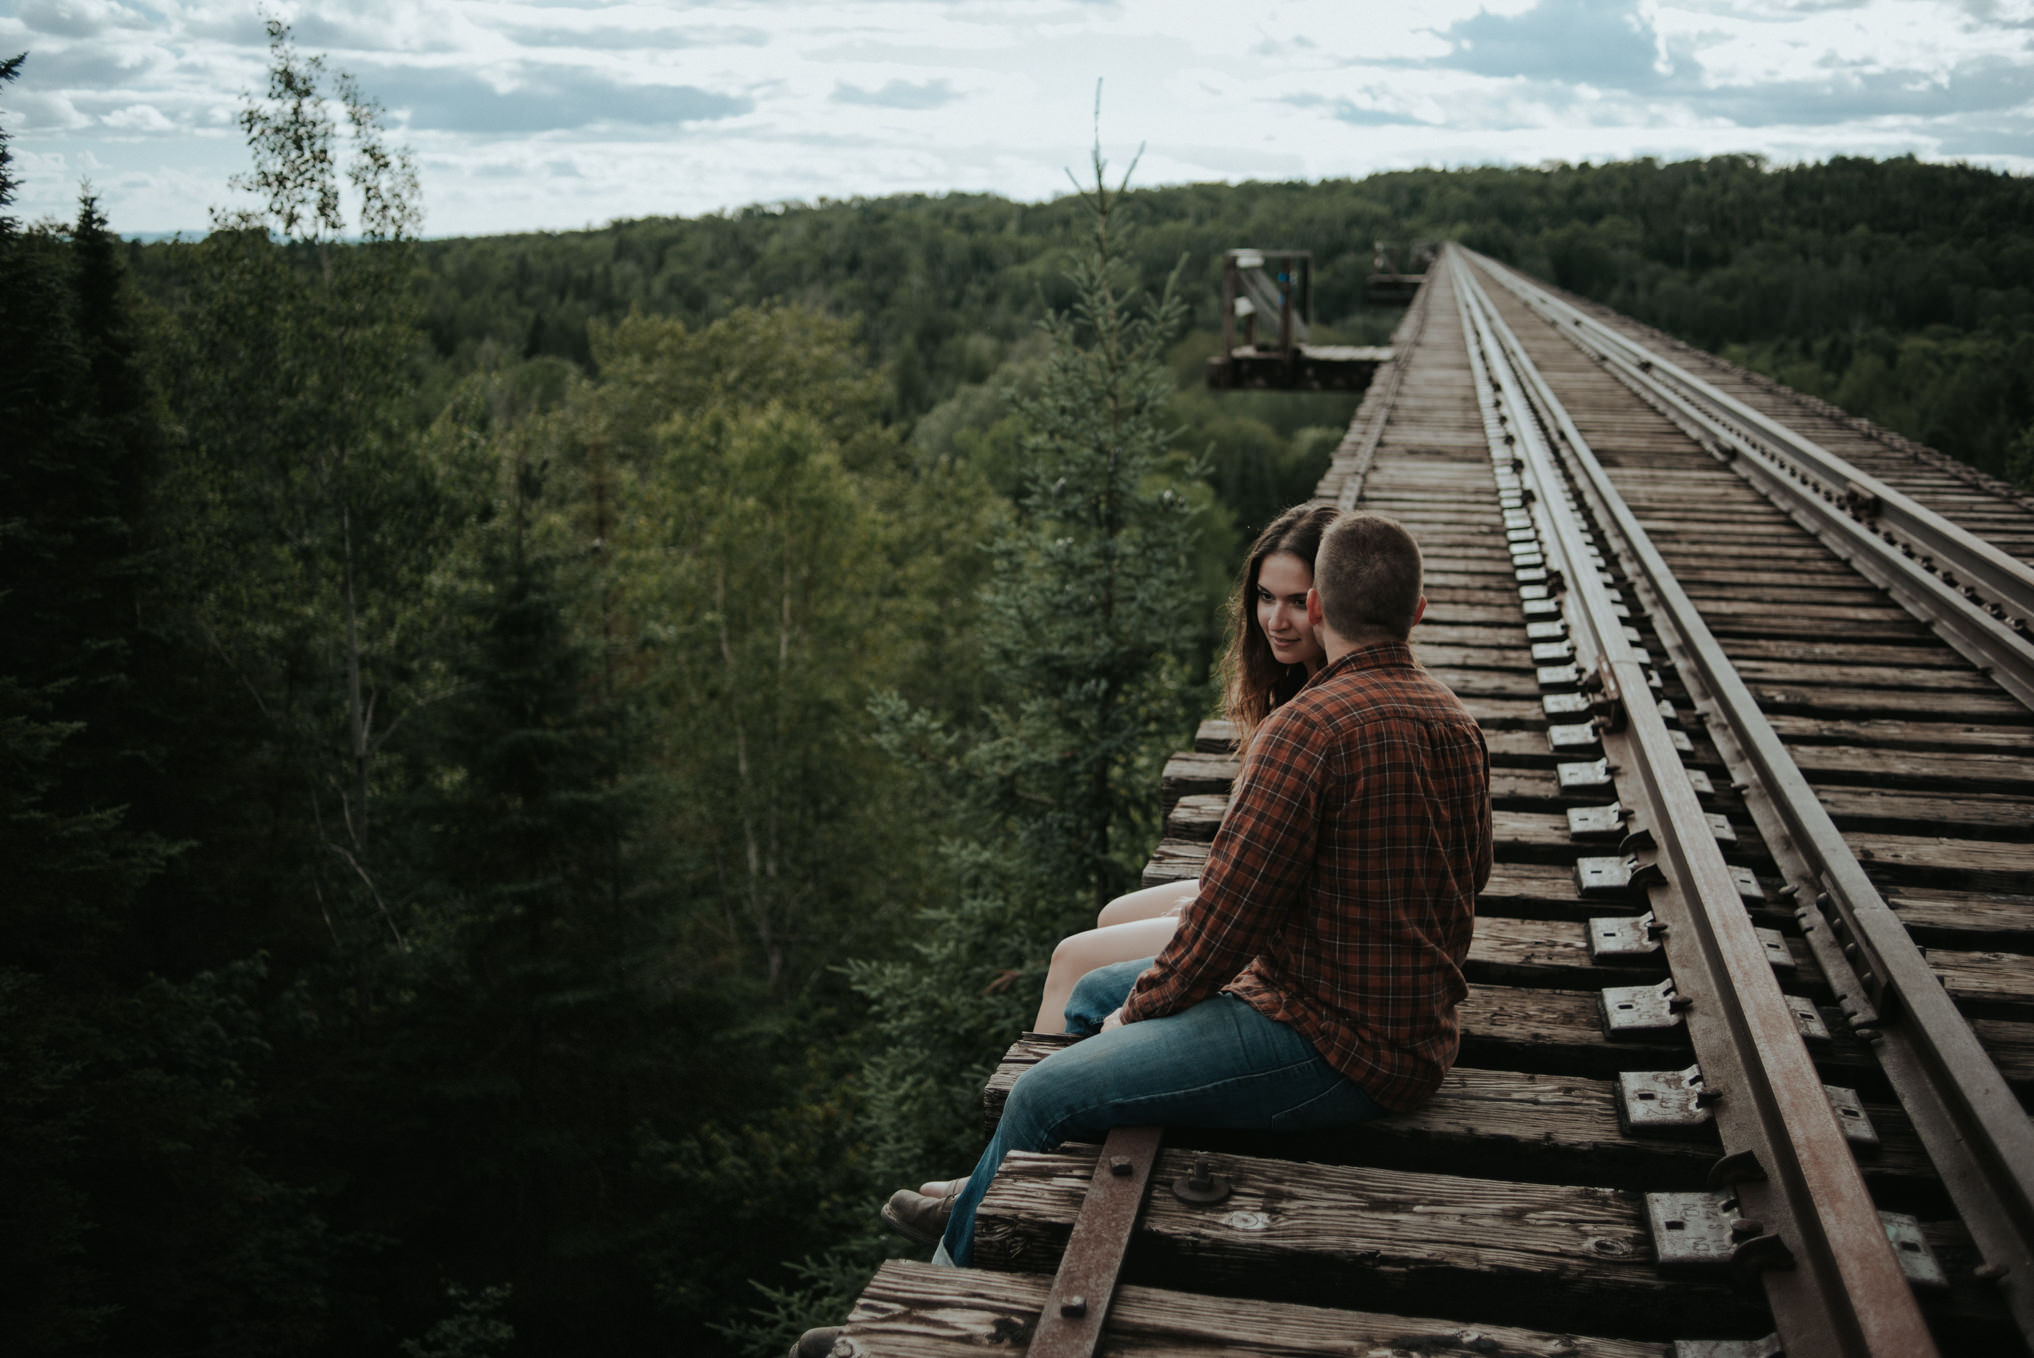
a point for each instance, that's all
(528, 115)
(136, 118)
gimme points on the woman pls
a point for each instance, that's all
(1271, 655)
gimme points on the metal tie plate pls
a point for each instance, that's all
(1548, 652)
(1615, 874)
(1587, 777)
(1747, 883)
(1546, 631)
(1632, 1010)
(1573, 737)
(1768, 1347)
(1807, 1018)
(1852, 1117)
(1540, 608)
(1775, 944)
(1624, 938)
(1527, 533)
(1703, 1230)
(1662, 1102)
(1564, 705)
(1596, 822)
(1675, 1103)
(1558, 676)
(1529, 574)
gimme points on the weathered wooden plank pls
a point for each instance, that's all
(1551, 1128)
(1955, 768)
(1534, 1255)
(913, 1310)
(1559, 1032)
(1935, 735)
(1974, 920)
(1991, 864)
(1990, 984)
(1807, 668)
(1976, 813)
(1837, 701)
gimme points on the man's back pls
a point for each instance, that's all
(1342, 883)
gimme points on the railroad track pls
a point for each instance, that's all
(1751, 1014)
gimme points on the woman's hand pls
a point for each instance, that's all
(1115, 1020)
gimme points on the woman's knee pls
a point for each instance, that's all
(1147, 903)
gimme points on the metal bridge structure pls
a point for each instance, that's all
(1749, 1042)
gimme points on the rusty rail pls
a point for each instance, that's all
(1804, 1221)
(1974, 596)
(1974, 1129)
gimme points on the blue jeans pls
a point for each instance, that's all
(1218, 1064)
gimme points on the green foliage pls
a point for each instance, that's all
(475, 1328)
(310, 525)
(1091, 597)
(1089, 629)
(1721, 252)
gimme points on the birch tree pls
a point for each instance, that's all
(314, 520)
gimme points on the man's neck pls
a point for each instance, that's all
(1336, 645)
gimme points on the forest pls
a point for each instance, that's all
(541, 771)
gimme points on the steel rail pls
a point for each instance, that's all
(1077, 1304)
(1974, 1129)
(1976, 597)
(1809, 1225)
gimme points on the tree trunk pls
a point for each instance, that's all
(753, 893)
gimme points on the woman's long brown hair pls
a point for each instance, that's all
(1254, 680)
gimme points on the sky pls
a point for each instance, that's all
(562, 114)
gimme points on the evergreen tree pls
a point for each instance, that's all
(1093, 598)
(1090, 614)
(130, 1220)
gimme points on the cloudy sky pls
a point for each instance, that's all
(530, 114)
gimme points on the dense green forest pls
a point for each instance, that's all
(541, 771)
(1902, 291)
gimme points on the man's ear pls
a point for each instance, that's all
(1420, 611)
(1314, 613)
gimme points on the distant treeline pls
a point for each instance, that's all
(1900, 290)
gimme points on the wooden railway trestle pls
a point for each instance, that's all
(1698, 1010)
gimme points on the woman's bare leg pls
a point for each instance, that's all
(1075, 957)
(1147, 903)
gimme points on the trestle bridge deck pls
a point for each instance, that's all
(1750, 1031)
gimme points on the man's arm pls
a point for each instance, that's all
(1257, 870)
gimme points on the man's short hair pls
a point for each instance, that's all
(1368, 575)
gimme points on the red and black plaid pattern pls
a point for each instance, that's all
(1340, 893)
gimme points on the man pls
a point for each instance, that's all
(1313, 980)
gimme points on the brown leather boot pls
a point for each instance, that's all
(918, 1218)
(816, 1343)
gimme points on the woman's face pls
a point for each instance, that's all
(1282, 583)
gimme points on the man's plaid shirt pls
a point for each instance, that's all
(1340, 893)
